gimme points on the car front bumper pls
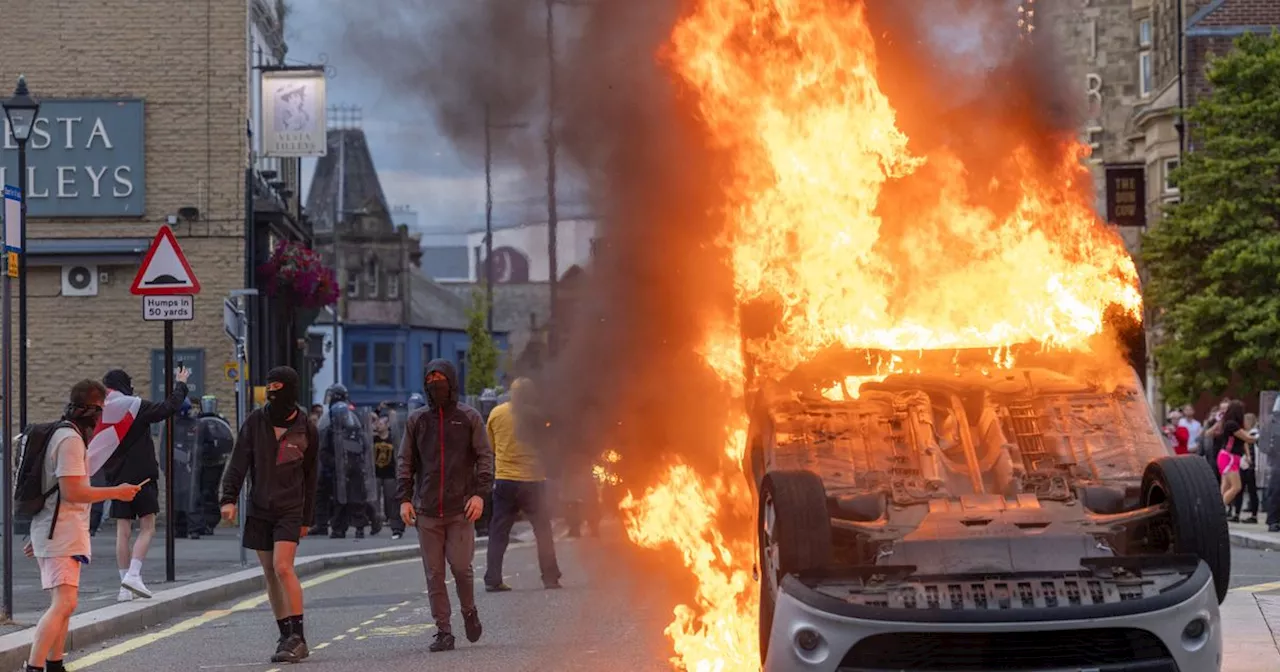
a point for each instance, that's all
(841, 626)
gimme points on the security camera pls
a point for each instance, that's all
(189, 213)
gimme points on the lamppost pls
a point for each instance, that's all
(21, 110)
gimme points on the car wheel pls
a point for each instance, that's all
(1197, 518)
(794, 533)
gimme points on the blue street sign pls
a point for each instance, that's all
(12, 219)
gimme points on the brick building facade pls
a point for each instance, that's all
(187, 66)
(1138, 63)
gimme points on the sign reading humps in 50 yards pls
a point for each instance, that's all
(293, 113)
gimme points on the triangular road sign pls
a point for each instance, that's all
(165, 269)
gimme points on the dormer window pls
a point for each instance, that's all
(371, 278)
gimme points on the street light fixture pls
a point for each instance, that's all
(22, 110)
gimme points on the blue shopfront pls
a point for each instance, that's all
(383, 363)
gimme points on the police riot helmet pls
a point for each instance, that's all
(416, 401)
(208, 405)
(337, 393)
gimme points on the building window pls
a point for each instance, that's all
(371, 279)
(359, 365)
(393, 285)
(1170, 165)
(1144, 33)
(353, 285)
(385, 367)
(1146, 78)
(428, 354)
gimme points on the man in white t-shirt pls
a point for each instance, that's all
(1194, 428)
(61, 554)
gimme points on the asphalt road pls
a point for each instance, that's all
(376, 618)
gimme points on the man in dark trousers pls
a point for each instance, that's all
(127, 419)
(520, 486)
(444, 470)
(277, 449)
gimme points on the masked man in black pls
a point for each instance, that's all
(277, 448)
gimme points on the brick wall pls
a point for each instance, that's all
(1242, 13)
(1233, 17)
(187, 60)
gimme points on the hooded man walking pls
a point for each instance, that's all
(444, 470)
(277, 448)
(123, 439)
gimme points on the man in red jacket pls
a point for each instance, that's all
(444, 471)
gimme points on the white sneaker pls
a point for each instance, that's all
(124, 596)
(133, 583)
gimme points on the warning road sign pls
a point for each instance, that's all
(165, 269)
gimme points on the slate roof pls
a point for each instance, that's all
(362, 190)
(431, 305)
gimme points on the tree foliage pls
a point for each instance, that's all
(1214, 260)
(482, 353)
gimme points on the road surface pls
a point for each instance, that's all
(376, 618)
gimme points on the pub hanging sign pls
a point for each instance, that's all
(1126, 195)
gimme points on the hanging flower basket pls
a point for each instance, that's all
(296, 274)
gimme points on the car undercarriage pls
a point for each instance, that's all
(985, 495)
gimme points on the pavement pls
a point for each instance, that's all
(1254, 535)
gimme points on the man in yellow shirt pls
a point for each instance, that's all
(519, 486)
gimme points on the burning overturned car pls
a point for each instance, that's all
(984, 516)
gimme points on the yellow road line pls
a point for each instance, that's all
(1258, 587)
(339, 638)
(210, 616)
(321, 645)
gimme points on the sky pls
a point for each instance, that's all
(419, 167)
(416, 164)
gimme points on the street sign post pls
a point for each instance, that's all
(168, 286)
(236, 323)
(12, 236)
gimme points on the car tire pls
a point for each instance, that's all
(1198, 520)
(795, 536)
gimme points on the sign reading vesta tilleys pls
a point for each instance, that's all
(85, 158)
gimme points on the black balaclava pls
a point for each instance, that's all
(85, 418)
(441, 393)
(118, 380)
(282, 403)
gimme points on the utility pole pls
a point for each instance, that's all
(488, 206)
(338, 218)
(488, 219)
(551, 175)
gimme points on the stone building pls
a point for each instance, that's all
(143, 122)
(392, 319)
(1138, 63)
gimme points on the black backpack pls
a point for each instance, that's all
(29, 495)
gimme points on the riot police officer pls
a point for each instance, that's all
(214, 440)
(186, 520)
(345, 440)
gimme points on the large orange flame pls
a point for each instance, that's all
(790, 88)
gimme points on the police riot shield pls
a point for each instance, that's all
(184, 444)
(214, 441)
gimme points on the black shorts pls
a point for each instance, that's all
(146, 503)
(261, 534)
